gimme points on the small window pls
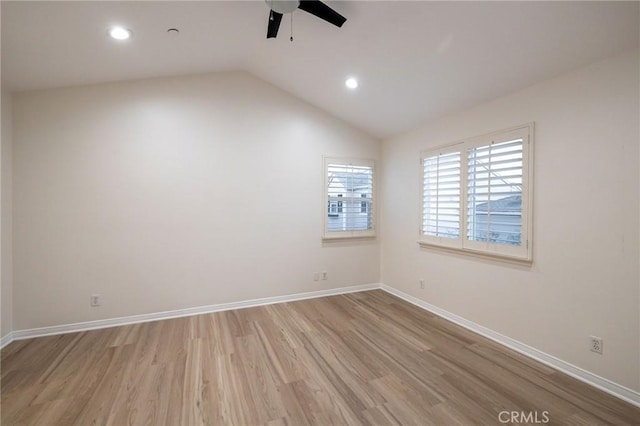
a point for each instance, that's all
(349, 191)
(476, 194)
(333, 209)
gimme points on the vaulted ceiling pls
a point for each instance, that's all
(415, 60)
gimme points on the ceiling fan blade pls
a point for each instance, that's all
(274, 24)
(322, 11)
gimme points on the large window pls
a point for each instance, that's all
(476, 194)
(349, 198)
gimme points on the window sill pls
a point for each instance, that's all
(337, 238)
(478, 254)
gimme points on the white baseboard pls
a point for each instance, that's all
(135, 319)
(629, 395)
(6, 339)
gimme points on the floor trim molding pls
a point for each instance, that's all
(6, 339)
(629, 395)
(135, 319)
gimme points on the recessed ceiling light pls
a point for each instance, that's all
(351, 83)
(120, 33)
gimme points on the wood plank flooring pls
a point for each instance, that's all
(362, 358)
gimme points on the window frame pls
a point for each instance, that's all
(328, 235)
(462, 244)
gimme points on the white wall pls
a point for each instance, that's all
(6, 250)
(172, 193)
(584, 279)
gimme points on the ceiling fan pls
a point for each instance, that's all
(314, 7)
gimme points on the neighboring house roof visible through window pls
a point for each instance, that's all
(507, 205)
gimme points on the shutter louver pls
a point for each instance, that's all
(441, 196)
(494, 193)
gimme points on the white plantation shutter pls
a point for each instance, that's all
(494, 193)
(349, 202)
(441, 196)
(477, 194)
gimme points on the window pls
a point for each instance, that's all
(476, 194)
(333, 209)
(349, 192)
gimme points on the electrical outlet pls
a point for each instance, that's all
(316, 276)
(95, 300)
(324, 275)
(596, 344)
(422, 284)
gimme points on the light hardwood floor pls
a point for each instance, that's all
(361, 358)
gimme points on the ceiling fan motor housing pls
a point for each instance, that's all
(315, 7)
(283, 6)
